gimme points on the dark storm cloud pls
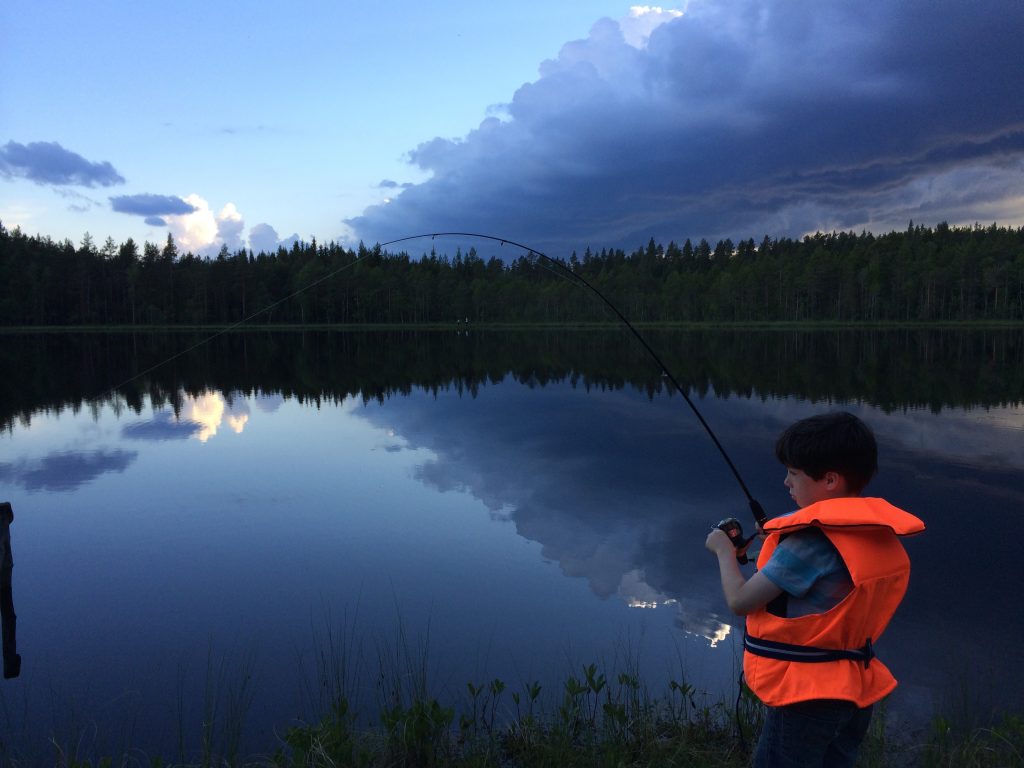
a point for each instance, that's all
(151, 205)
(66, 470)
(47, 162)
(740, 119)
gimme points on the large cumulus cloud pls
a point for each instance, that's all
(201, 231)
(740, 118)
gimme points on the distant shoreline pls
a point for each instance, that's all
(780, 325)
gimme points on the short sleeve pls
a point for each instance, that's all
(800, 560)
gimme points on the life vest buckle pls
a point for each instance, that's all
(869, 652)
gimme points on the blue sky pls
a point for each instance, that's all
(561, 125)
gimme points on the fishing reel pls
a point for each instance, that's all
(734, 531)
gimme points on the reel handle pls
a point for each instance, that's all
(734, 531)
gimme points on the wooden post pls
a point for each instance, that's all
(9, 621)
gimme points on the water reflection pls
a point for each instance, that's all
(198, 416)
(163, 426)
(64, 470)
(615, 488)
(210, 411)
(892, 369)
(988, 436)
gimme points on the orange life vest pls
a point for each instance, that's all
(865, 532)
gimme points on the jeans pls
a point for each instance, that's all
(824, 733)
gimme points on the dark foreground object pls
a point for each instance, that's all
(12, 661)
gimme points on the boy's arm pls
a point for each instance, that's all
(743, 595)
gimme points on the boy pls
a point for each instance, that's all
(830, 576)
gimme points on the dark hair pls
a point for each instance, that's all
(831, 442)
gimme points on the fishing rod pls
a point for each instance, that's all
(731, 526)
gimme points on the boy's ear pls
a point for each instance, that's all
(834, 481)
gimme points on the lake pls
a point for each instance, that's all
(197, 520)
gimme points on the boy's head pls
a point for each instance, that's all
(831, 442)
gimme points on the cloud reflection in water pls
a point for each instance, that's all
(64, 470)
(201, 417)
(585, 486)
(620, 490)
(163, 426)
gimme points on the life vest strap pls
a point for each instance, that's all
(773, 649)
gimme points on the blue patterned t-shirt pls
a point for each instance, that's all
(808, 568)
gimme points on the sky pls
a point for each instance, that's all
(561, 125)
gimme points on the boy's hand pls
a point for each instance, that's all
(718, 541)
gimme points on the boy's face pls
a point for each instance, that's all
(805, 490)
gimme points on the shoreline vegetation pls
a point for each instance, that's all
(385, 704)
(596, 716)
(943, 274)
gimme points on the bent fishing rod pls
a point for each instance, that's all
(730, 525)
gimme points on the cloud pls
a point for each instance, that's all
(48, 163)
(203, 232)
(229, 227)
(642, 20)
(151, 205)
(78, 202)
(263, 238)
(740, 118)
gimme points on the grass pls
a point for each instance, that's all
(597, 716)
(390, 712)
(594, 717)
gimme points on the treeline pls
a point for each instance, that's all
(922, 274)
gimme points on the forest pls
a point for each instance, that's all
(922, 274)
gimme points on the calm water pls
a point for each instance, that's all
(515, 504)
